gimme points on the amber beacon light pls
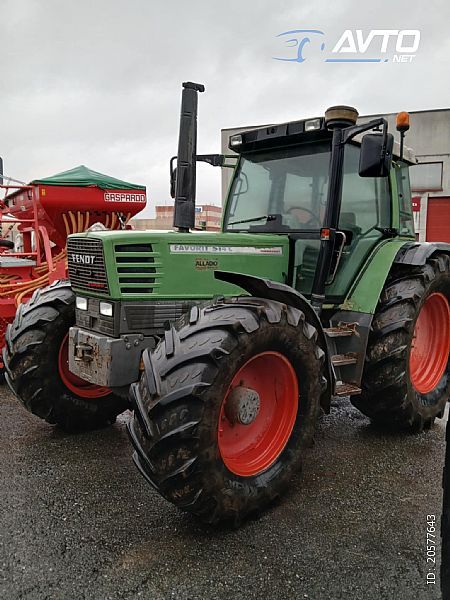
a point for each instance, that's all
(402, 125)
(402, 122)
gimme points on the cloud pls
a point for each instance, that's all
(98, 82)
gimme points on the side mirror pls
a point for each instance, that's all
(215, 160)
(375, 158)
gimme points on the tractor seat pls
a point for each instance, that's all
(347, 224)
(347, 220)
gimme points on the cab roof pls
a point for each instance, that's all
(298, 132)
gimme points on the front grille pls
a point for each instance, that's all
(87, 265)
(146, 317)
(136, 267)
(152, 317)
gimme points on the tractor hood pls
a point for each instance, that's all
(136, 265)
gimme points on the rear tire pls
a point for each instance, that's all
(32, 358)
(404, 386)
(182, 399)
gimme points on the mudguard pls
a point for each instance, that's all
(280, 292)
(417, 253)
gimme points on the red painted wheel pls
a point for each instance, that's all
(78, 386)
(431, 343)
(258, 414)
(48, 389)
(239, 388)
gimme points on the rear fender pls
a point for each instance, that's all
(417, 253)
(280, 292)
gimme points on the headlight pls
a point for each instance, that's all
(81, 303)
(235, 140)
(312, 124)
(106, 309)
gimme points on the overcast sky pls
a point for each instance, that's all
(97, 82)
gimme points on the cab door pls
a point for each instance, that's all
(365, 209)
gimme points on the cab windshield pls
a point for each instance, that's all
(286, 190)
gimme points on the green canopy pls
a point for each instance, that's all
(83, 177)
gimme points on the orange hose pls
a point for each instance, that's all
(11, 285)
(22, 289)
(24, 286)
(72, 220)
(66, 224)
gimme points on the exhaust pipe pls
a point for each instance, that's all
(184, 215)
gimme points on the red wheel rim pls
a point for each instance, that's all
(250, 449)
(431, 344)
(78, 386)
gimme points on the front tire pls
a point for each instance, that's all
(35, 358)
(406, 379)
(227, 406)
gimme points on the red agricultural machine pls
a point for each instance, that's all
(35, 222)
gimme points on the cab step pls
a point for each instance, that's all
(342, 330)
(340, 360)
(346, 389)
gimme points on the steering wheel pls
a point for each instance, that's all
(314, 217)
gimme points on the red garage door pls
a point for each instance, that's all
(438, 220)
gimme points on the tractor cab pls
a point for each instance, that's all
(281, 185)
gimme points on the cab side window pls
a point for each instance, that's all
(365, 200)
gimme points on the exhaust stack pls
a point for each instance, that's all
(184, 215)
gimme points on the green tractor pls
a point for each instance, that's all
(230, 344)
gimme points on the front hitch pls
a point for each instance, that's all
(83, 352)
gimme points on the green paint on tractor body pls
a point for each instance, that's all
(182, 266)
(277, 203)
(365, 292)
(156, 265)
(174, 266)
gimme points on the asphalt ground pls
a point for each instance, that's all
(77, 521)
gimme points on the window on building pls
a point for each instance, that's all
(426, 177)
